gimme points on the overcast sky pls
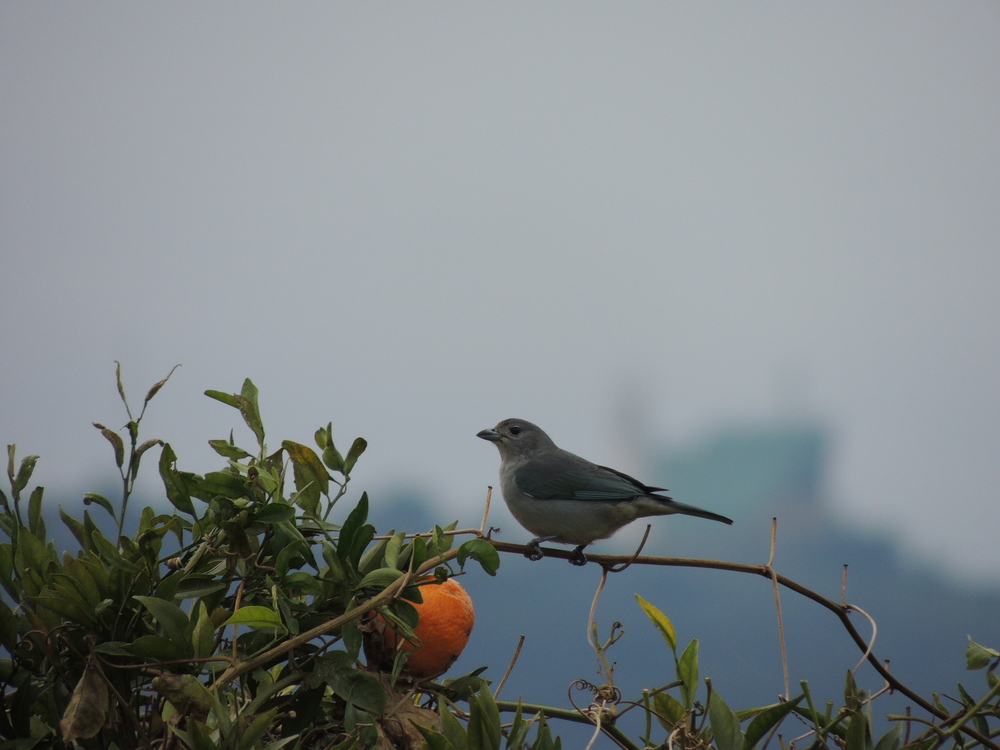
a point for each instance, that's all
(415, 220)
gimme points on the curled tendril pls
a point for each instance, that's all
(605, 699)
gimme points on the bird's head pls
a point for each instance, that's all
(514, 437)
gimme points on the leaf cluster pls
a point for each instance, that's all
(234, 620)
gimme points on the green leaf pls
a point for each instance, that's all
(226, 398)
(174, 483)
(661, 621)
(24, 472)
(853, 696)
(353, 685)
(393, 548)
(467, 684)
(227, 450)
(443, 542)
(543, 738)
(171, 617)
(113, 648)
(857, 732)
(252, 734)
(725, 724)
(74, 526)
(78, 575)
(256, 617)
(216, 484)
(766, 720)
(195, 586)
(453, 730)
(7, 571)
(311, 477)
(332, 458)
(71, 608)
(109, 553)
(434, 740)
(355, 534)
(93, 497)
(380, 578)
(115, 439)
(373, 557)
(482, 552)
(324, 436)
(246, 402)
(36, 521)
(687, 673)
(891, 739)
(275, 513)
(288, 553)
(354, 453)
(31, 554)
(669, 710)
(203, 632)
(977, 656)
(484, 721)
(517, 737)
(160, 648)
(418, 552)
(11, 452)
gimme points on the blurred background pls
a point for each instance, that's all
(747, 252)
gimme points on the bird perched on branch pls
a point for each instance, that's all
(560, 497)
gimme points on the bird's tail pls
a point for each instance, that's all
(690, 510)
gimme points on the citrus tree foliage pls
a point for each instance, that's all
(237, 621)
(233, 621)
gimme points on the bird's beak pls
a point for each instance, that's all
(492, 435)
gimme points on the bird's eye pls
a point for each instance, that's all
(515, 430)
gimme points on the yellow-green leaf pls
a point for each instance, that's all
(661, 621)
(255, 617)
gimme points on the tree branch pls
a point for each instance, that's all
(842, 611)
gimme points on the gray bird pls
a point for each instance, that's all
(560, 497)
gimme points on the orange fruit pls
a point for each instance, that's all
(446, 620)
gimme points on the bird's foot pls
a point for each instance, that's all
(577, 557)
(534, 551)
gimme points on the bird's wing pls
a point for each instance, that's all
(569, 477)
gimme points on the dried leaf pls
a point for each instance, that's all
(87, 711)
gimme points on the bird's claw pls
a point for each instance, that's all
(577, 557)
(534, 552)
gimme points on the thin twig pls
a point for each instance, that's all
(429, 534)
(591, 625)
(236, 629)
(510, 667)
(486, 511)
(777, 607)
(635, 555)
(597, 729)
(871, 643)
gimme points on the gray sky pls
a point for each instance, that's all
(418, 219)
